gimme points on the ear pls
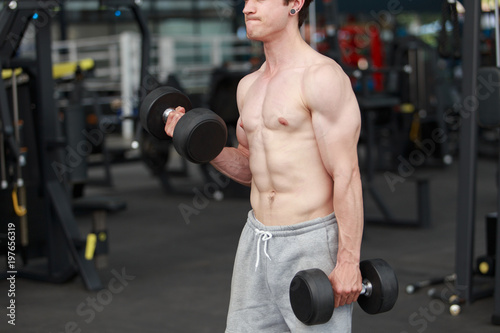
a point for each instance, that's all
(296, 4)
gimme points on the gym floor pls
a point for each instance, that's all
(175, 271)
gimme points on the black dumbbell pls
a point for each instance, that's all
(199, 136)
(312, 298)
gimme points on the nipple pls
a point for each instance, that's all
(283, 121)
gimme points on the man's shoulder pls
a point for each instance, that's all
(251, 76)
(323, 68)
(248, 79)
(325, 82)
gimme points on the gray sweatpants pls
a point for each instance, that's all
(266, 261)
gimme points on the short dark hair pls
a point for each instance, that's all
(304, 12)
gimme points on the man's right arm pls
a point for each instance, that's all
(234, 162)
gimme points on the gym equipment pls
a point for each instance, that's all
(413, 288)
(485, 264)
(360, 45)
(487, 115)
(68, 69)
(51, 203)
(466, 287)
(488, 93)
(20, 204)
(199, 136)
(449, 47)
(468, 155)
(312, 298)
(97, 245)
(397, 121)
(3, 169)
(156, 107)
(454, 301)
(54, 234)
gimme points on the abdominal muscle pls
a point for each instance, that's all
(290, 184)
(289, 181)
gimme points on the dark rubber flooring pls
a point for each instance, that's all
(175, 269)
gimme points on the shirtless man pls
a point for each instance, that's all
(298, 132)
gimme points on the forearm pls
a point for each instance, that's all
(348, 203)
(234, 163)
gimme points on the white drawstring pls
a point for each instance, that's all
(264, 236)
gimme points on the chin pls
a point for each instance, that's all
(253, 36)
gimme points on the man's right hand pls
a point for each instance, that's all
(346, 281)
(172, 120)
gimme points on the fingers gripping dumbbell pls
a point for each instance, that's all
(312, 298)
(199, 135)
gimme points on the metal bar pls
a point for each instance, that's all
(497, 34)
(62, 227)
(127, 83)
(15, 124)
(145, 49)
(63, 211)
(421, 77)
(468, 153)
(47, 128)
(495, 319)
(20, 181)
(6, 122)
(413, 78)
(424, 210)
(3, 113)
(3, 172)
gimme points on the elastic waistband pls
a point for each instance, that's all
(294, 229)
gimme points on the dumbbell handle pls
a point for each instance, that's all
(366, 288)
(166, 113)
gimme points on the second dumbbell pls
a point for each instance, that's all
(312, 298)
(199, 135)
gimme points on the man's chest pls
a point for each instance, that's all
(274, 104)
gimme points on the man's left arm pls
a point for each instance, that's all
(336, 122)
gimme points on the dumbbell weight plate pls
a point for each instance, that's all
(200, 135)
(385, 286)
(154, 105)
(311, 297)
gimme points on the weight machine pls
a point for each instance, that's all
(468, 287)
(53, 249)
(484, 113)
(63, 246)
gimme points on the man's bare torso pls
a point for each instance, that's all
(289, 182)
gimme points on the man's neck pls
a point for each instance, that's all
(284, 51)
